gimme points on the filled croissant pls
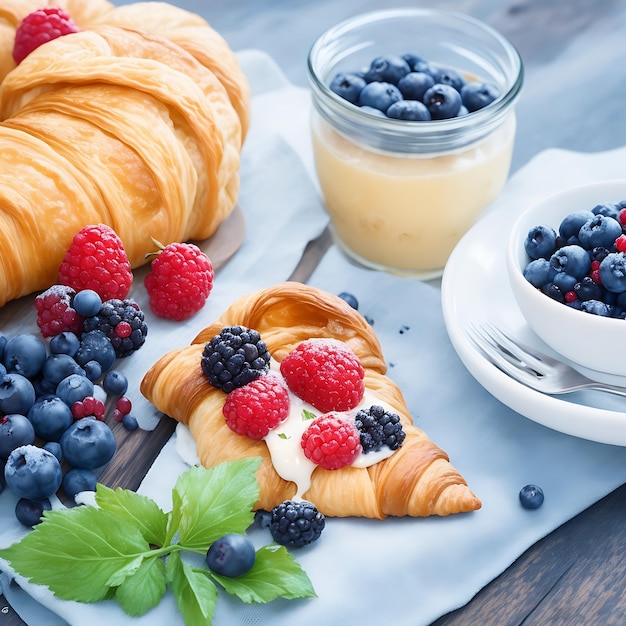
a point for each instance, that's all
(136, 121)
(417, 479)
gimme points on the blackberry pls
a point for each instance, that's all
(234, 358)
(296, 524)
(378, 428)
(123, 322)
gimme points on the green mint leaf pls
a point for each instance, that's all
(307, 415)
(195, 593)
(275, 574)
(139, 510)
(143, 590)
(78, 553)
(214, 502)
(283, 436)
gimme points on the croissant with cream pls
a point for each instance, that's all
(416, 480)
(137, 124)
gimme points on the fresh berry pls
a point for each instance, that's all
(296, 523)
(74, 388)
(613, 272)
(78, 479)
(350, 299)
(60, 366)
(258, 407)
(442, 101)
(123, 322)
(378, 428)
(572, 259)
(66, 342)
(32, 472)
(115, 383)
(234, 358)
(95, 345)
(179, 282)
(324, 373)
(55, 313)
(331, 442)
(97, 260)
(88, 406)
(531, 496)
(348, 86)
(25, 354)
(231, 555)
(40, 27)
(30, 511)
(600, 231)
(50, 417)
(15, 431)
(17, 394)
(540, 243)
(409, 110)
(387, 69)
(124, 405)
(87, 302)
(620, 243)
(129, 422)
(477, 95)
(379, 95)
(449, 76)
(88, 443)
(414, 85)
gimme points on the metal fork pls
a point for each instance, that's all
(530, 366)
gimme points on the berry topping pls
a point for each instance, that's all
(179, 282)
(40, 27)
(55, 313)
(296, 524)
(97, 260)
(234, 358)
(123, 322)
(378, 428)
(331, 442)
(258, 407)
(324, 373)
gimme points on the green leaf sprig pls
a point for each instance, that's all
(127, 549)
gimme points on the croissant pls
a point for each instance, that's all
(115, 125)
(416, 480)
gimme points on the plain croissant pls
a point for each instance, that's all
(416, 480)
(136, 121)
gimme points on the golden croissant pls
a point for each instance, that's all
(136, 121)
(416, 480)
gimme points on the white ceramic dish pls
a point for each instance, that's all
(589, 340)
(475, 288)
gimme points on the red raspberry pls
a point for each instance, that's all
(257, 407)
(620, 243)
(88, 406)
(331, 442)
(324, 373)
(123, 405)
(179, 282)
(39, 27)
(55, 313)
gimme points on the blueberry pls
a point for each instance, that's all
(74, 388)
(538, 272)
(540, 242)
(551, 290)
(607, 209)
(412, 110)
(448, 76)
(65, 343)
(88, 443)
(32, 472)
(348, 86)
(572, 259)
(15, 431)
(379, 95)
(477, 95)
(414, 85)
(60, 366)
(373, 111)
(50, 417)
(588, 289)
(78, 479)
(3, 343)
(93, 370)
(531, 496)
(17, 394)
(387, 69)
(231, 555)
(129, 422)
(30, 511)
(613, 272)
(25, 354)
(350, 299)
(413, 60)
(55, 448)
(599, 231)
(442, 101)
(462, 111)
(96, 346)
(115, 383)
(571, 223)
(565, 282)
(87, 302)
(599, 253)
(426, 68)
(597, 307)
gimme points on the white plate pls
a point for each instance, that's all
(475, 289)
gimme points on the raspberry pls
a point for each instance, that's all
(331, 442)
(88, 406)
(258, 407)
(179, 282)
(97, 260)
(55, 314)
(378, 428)
(39, 27)
(234, 358)
(296, 524)
(324, 373)
(114, 319)
(620, 243)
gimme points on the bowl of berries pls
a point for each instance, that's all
(566, 261)
(413, 128)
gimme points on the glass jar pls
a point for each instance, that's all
(401, 194)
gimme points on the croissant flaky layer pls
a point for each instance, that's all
(136, 121)
(416, 480)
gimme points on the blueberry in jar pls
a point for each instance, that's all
(414, 85)
(348, 85)
(448, 76)
(387, 69)
(379, 95)
(412, 110)
(442, 101)
(476, 95)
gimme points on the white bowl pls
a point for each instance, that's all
(591, 341)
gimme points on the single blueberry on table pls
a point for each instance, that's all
(348, 85)
(414, 85)
(442, 101)
(129, 422)
(232, 555)
(387, 69)
(379, 95)
(476, 95)
(411, 110)
(531, 496)
(540, 242)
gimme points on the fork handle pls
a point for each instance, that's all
(614, 389)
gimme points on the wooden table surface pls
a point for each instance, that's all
(574, 97)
